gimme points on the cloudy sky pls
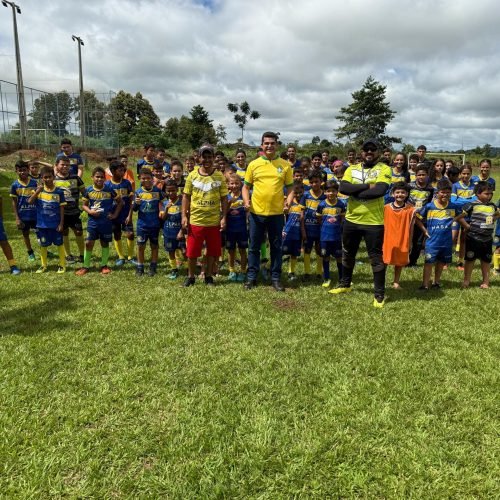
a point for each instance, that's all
(296, 62)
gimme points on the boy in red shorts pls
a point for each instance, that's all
(204, 208)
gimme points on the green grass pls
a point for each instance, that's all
(118, 387)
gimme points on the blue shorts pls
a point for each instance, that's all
(47, 237)
(145, 234)
(311, 242)
(122, 227)
(3, 234)
(28, 225)
(433, 255)
(234, 240)
(331, 249)
(172, 244)
(291, 247)
(102, 232)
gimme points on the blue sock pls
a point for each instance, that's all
(326, 269)
(339, 268)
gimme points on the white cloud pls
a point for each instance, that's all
(296, 62)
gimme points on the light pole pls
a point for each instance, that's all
(79, 41)
(20, 87)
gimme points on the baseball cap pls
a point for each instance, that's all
(206, 147)
(370, 141)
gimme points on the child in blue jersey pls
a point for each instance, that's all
(24, 212)
(149, 158)
(480, 225)
(102, 205)
(236, 229)
(161, 158)
(484, 174)
(173, 235)
(294, 231)
(123, 223)
(311, 200)
(34, 168)
(50, 203)
(75, 159)
(330, 214)
(147, 203)
(5, 245)
(461, 194)
(439, 215)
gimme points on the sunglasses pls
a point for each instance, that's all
(370, 149)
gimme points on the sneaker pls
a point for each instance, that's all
(70, 259)
(209, 281)
(188, 282)
(15, 271)
(174, 273)
(278, 286)
(379, 302)
(139, 271)
(292, 277)
(423, 288)
(31, 257)
(232, 277)
(119, 262)
(61, 270)
(436, 286)
(340, 289)
(249, 284)
(41, 270)
(82, 271)
(105, 270)
(152, 271)
(242, 277)
(132, 261)
(326, 283)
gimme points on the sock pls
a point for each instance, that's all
(80, 243)
(231, 269)
(152, 265)
(62, 256)
(130, 248)
(263, 251)
(104, 256)
(86, 258)
(307, 263)
(496, 260)
(43, 255)
(12, 262)
(292, 264)
(319, 265)
(326, 269)
(67, 249)
(339, 269)
(119, 249)
(173, 263)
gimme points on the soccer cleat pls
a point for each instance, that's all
(139, 271)
(152, 271)
(232, 276)
(82, 271)
(70, 259)
(61, 270)
(41, 270)
(436, 286)
(209, 281)
(174, 273)
(119, 262)
(379, 302)
(292, 277)
(132, 261)
(340, 289)
(242, 277)
(31, 257)
(423, 288)
(188, 282)
(326, 283)
(105, 270)
(15, 271)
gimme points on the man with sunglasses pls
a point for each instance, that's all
(366, 184)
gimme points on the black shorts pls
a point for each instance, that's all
(73, 221)
(27, 225)
(482, 250)
(122, 227)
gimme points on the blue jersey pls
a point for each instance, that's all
(48, 208)
(148, 206)
(124, 190)
(462, 191)
(101, 200)
(331, 219)
(75, 160)
(439, 221)
(173, 222)
(292, 225)
(146, 163)
(166, 167)
(236, 218)
(475, 179)
(21, 193)
(311, 203)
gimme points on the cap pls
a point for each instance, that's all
(370, 141)
(206, 147)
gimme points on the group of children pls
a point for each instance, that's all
(431, 206)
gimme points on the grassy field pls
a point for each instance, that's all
(116, 387)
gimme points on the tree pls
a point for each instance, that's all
(220, 133)
(316, 140)
(52, 112)
(487, 150)
(242, 113)
(135, 118)
(325, 143)
(367, 116)
(96, 114)
(408, 149)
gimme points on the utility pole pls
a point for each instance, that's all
(20, 86)
(82, 108)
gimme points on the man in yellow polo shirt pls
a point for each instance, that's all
(366, 184)
(268, 178)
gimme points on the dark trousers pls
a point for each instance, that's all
(417, 243)
(352, 234)
(258, 226)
